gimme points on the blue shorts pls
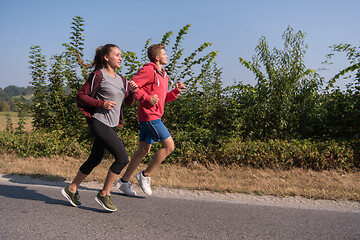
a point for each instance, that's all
(153, 131)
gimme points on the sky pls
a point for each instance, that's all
(233, 26)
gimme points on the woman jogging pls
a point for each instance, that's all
(100, 98)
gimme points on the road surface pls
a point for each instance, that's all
(35, 209)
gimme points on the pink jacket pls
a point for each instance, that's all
(150, 81)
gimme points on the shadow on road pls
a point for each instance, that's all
(23, 192)
(40, 179)
(43, 180)
(20, 192)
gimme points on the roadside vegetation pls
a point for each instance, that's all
(293, 133)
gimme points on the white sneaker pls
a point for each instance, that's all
(125, 188)
(144, 183)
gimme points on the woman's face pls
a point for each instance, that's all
(114, 58)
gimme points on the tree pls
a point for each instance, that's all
(57, 95)
(342, 107)
(54, 104)
(4, 106)
(74, 51)
(179, 67)
(200, 110)
(353, 56)
(38, 74)
(9, 124)
(20, 129)
(285, 86)
(74, 76)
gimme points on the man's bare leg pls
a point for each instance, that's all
(141, 152)
(160, 155)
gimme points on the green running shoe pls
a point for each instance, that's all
(73, 198)
(106, 202)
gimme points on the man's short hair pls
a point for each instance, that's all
(154, 50)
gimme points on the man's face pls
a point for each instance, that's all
(163, 57)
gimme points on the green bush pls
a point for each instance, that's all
(288, 154)
(281, 154)
(40, 143)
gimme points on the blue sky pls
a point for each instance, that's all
(234, 28)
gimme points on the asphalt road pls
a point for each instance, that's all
(39, 211)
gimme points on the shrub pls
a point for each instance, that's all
(288, 154)
(40, 143)
(281, 154)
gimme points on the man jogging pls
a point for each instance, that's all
(152, 93)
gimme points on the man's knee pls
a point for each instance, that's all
(171, 148)
(168, 145)
(144, 148)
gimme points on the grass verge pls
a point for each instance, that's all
(333, 184)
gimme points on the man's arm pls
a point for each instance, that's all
(172, 95)
(141, 78)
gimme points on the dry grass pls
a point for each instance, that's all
(333, 184)
(298, 182)
(337, 185)
(14, 119)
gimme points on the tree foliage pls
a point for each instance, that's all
(342, 108)
(38, 74)
(287, 102)
(179, 67)
(10, 92)
(284, 99)
(55, 86)
(353, 56)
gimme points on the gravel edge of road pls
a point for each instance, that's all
(292, 202)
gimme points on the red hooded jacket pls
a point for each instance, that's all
(150, 81)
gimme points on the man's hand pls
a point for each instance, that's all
(180, 86)
(154, 100)
(132, 86)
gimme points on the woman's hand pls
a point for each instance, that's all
(132, 86)
(109, 105)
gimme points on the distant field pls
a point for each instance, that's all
(14, 119)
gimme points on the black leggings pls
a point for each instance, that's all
(105, 139)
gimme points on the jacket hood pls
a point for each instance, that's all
(152, 65)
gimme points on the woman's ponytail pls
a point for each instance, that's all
(99, 61)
